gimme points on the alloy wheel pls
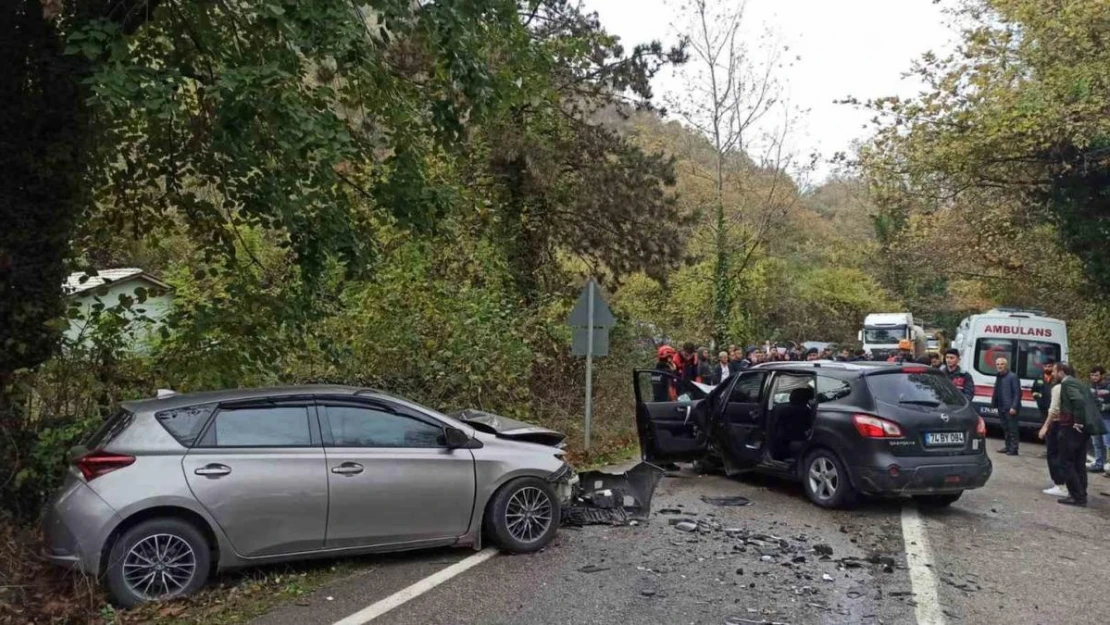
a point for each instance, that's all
(823, 478)
(528, 515)
(159, 566)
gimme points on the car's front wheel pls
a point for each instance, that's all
(826, 480)
(157, 560)
(523, 516)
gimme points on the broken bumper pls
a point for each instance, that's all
(566, 482)
(613, 498)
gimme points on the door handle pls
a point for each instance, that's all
(213, 470)
(686, 410)
(348, 468)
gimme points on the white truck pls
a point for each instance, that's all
(882, 332)
(1026, 338)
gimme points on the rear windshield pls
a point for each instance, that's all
(110, 429)
(928, 390)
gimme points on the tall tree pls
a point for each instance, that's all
(733, 94)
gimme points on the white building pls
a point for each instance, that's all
(85, 291)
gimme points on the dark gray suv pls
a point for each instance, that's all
(173, 488)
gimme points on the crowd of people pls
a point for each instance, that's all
(1075, 415)
(696, 363)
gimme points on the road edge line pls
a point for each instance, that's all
(923, 580)
(380, 607)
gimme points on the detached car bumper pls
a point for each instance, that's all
(927, 476)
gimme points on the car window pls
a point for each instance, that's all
(747, 388)
(1032, 356)
(356, 426)
(272, 426)
(785, 385)
(184, 424)
(926, 391)
(832, 389)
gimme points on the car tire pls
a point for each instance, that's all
(510, 526)
(937, 501)
(180, 560)
(826, 480)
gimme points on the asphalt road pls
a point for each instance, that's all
(1002, 554)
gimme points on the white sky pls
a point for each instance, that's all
(857, 48)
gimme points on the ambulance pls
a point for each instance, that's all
(1026, 338)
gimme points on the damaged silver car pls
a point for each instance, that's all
(173, 488)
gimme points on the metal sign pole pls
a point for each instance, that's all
(589, 362)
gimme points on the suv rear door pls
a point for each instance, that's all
(739, 428)
(934, 416)
(670, 417)
(259, 470)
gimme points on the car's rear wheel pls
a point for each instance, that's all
(157, 560)
(523, 516)
(826, 480)
(937, 501)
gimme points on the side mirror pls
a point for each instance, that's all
(455, 438)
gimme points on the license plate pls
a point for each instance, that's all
(944, 438)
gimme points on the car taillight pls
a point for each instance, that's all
(94, 464)
(915, 369)
(874, 427)
(981, 428)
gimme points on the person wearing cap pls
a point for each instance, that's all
(960, 378)
(663, 388)
(904, 353)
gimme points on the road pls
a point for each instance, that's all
(1002, 554)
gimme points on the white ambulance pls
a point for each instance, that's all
(1027, 339)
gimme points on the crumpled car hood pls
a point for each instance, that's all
(511, 429)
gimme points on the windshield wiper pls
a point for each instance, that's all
(921, 402)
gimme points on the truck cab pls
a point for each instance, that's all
(882, 331)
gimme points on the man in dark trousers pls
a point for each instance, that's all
(1077, 419)
(1007, 401)
(959, 377)
(1042, 392)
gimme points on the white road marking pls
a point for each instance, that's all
(398, 598)
(923, 578)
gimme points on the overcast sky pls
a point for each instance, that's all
(857, 48)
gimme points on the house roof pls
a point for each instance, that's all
(74, 284)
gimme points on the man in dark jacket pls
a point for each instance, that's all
(1100, 386)
(720, 371)
(1007, 401)
(960, 378)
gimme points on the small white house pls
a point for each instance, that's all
(106, 287)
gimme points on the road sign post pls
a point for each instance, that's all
(593, 313)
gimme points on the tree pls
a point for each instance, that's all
(1015, 122)
(303, 118)
(565, 182)
(733, 92)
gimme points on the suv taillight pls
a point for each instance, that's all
(981, 428)
(94, 464)
(874, 427)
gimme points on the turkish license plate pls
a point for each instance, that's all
(944, 438)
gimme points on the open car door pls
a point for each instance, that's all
(670, 417)
(739, 428)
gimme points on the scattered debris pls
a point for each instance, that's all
(647, 592)
(822, 549)
(593, 568)
(612, 499)
(726, 501)
(826, 577)
(767, 559)
(686, 526)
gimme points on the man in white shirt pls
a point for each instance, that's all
(1048, 435)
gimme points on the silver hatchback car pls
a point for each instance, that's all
(174, 488)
